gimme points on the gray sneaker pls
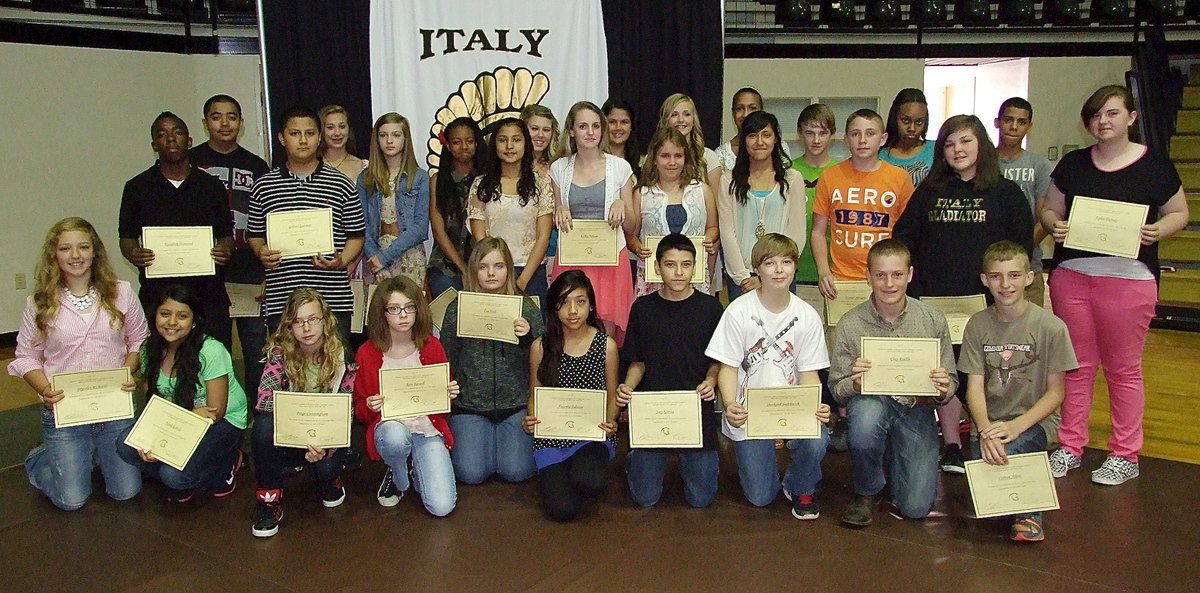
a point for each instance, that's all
(1115, 470)
(860, 511)
(1063, 461)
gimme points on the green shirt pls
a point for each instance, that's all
(214, 362)
(806, 268)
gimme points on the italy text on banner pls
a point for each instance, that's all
(433, 61)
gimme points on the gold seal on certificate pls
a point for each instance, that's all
(179, 251)
(900, 366)
(1106, 226)
(1024, 485)
(588, 243)
(849, 294)
(488, 316)
(958, 310)
(317, 419)
(652, 274)
(783, 412)
(438, 306)
(665, 419)
(91, 396)
(415, 391)
(244, 299)
(168, 432)
(301, 233)
(569, 413)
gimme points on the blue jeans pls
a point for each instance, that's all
(208, 467)
(439, 282)
(759, 473)
(269, 460)
(433, 474)
(537, 286)
(883, 431)
(252, 333)
(735, 290)
(62, 467)
(483, 448)
(646, 468)
(1030, 441)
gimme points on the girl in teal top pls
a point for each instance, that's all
(907, 126)
(194, 371)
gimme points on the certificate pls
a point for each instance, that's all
(1106, 226)
(850, 294)
(91, 396)
(957, 311)
(244, 299)
(179, 251)
(317, 419)
(415, 391)
(783, 412)
(359, 312)
(438, 306)
(570, 413)
(900, 366)
(370, 288)
(652, 274)
(300, 233)
(1025, 485)
(665, 419)
(168, 431)
(488, 316)
(588, 243)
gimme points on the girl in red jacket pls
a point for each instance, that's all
(399, 326)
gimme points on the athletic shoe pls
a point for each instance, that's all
(860, 511)
(1115, 470)
(268, 513)
(952, 460)
(388, 495)
(180, 496)
(1026, 529)
(229, 480)
(805, 508)
(839, 437)
(332, 493)
(1063, 461)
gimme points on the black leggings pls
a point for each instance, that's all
(567, 484)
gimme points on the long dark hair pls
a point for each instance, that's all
(754, 123)
(187, 355)
(445, 196)
(552, 340)
(489, 182)
(633, 149)
(893, 120)
(987, 165)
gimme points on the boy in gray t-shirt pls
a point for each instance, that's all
(1016, 358)
(1029, 170)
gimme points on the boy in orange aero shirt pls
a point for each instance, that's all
(859, 200)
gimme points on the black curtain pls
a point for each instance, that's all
(660, 47)
(317, 53)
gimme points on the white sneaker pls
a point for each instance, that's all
(1115, 470)
(1063, 461)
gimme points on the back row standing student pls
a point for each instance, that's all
(174, 193)
(460, 161)
(394, 194)
(1031, 172)
(337, 142)
(745, 101)
(907, 125)
(679, 112)
(303, 182)
(237, 168)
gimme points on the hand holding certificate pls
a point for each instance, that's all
(900, 366)
(488, 316)
(90, 397)
(849, 295)
(179, 251)
(1023, 485)
(300, 233)
(168, 432)
(698, 270)
(317, 419)
(1106, 226)
(665, 419)
(958, 310)
(783, 412)
(589, 243)
(415, 391)
(570, 413)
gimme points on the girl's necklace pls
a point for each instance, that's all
(81, 303)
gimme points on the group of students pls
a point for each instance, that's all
(953, 217)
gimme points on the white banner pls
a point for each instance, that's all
(433, 61)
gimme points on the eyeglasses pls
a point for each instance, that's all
(408, 309)
(311, 321)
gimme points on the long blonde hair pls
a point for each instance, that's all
(480, 251)
(48, 277)
(566, 144)
(377, 177)
(696, 136)
(691, 161)
(535, 110)
(330, 357)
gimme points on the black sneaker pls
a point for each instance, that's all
(180, 496)
(267, 514)
(388, 495)
(805, 508)
(332, 493)
(952, 460)
(839, 437)
(228, 481)
(860, 511)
